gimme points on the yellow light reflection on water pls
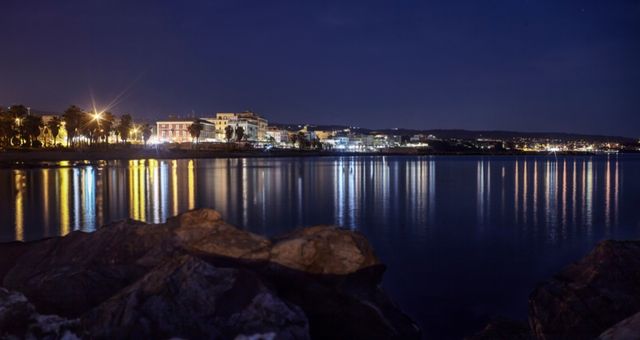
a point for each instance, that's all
(19, 184)
(133, 190)
(64, 200)
(45, 197)
(192, 185)
(142, 191)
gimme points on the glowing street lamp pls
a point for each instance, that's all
(97, 116)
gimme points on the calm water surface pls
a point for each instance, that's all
(465, 238)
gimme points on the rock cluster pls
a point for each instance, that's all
(589, 296)
(196, 276)
(596, 297)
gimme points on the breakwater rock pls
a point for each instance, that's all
(596, 297)
(196, 276)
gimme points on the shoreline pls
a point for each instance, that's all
(21, 158)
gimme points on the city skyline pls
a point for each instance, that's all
(514, 66)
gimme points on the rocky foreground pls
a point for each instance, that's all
(597, 297)
(197, 277)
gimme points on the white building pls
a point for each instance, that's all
(255, 127)
(280, 136)
(177, 131)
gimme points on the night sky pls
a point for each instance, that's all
(551, 65)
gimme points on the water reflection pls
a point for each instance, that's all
(19, 187)
(553, 197)
(438, 222)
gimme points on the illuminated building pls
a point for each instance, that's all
(255, 126)
(176, 130)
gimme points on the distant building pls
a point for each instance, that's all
(255, 126)
(278, 136)
(176, 130)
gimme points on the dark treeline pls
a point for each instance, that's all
(19, 128)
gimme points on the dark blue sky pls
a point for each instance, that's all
(522, 65)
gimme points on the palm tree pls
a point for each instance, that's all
(91, 127)
(271, 140)
(17, 114)
(18, 111)
(239, 133)
(146, 133)
(106, 125)
(31, 129)
(194, 129)
(293, 138)
(54, 127)
(228, 133)
(316, 144)
(126, 122)
(73, 117)
(7, 127)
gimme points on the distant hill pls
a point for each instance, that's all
(469, 134)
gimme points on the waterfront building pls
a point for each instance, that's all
(278, 136)
(176, 130)
(254, 125)
(249, 127)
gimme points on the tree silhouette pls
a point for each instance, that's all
(126, 122)
(7, 127)
(17, 114)
(31, 129)
(194, 130)
(106, 125)
(239, 133)
(54, 127)
(228, 133)
(73, 117)
(146, 133)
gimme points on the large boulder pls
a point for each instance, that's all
(334, 275)
(589, 296)
(189, 298)
(324, 250)
(68, 275)
(123, 280)
(203, 231)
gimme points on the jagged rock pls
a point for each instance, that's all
(589, 296)
(348, 307)
(502, 329)
(205, 232)
(334, 275)
(68, 275)
(18, 319)
(331, 274)
(189, 298)
(324, 250)
(627, 329)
